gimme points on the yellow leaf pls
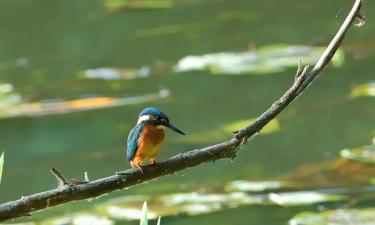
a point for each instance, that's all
(363, 90)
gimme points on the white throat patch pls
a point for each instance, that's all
(143, 118)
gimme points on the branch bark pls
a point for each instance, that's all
(72, 191)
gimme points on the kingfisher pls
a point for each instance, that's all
(147, 137)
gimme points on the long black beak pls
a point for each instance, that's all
(175, 128)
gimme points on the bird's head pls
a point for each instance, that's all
(156, 117)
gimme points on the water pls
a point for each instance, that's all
(44, 46)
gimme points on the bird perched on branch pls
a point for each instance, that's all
(147, 137)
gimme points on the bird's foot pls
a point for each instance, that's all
(139, 166)
(153, 162)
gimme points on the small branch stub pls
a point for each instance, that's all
(61, 180)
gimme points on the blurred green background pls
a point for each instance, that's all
(48, 48)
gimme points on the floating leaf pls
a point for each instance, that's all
(197, 198)
(365, 154)
(363, 90)
(126, 207)
(178, 203)
(52, 107)
(332, 173)
(193, 203)
(107, 73)
(364, 216)
(267, 59)
(115, 5)
(257, 186)
(83, 218)
(130, 213)
(8, 96)
(303, 198)
(1, 165)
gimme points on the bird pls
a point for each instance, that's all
(147, 137)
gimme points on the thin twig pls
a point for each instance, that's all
(61, 180)
(228, 149)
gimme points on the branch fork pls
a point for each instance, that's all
(62, 181)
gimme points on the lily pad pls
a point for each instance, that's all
(299, 198)
(365, 154)
(364, 216)
(267, 59)
(178, 203)
(257, 186)
(8, 96)
(107, 73)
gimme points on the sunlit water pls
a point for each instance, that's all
(46, 47)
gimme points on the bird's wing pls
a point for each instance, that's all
(132, 144)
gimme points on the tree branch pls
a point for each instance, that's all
(71, 191)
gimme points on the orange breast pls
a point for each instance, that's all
(150, 141)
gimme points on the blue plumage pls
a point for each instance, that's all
(133, 137)
(153, 111)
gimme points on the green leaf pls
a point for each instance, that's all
(158, 220)
(1, 165)
(144, 219)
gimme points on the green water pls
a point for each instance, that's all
(60, 38)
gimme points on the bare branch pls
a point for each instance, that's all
(91, 189)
